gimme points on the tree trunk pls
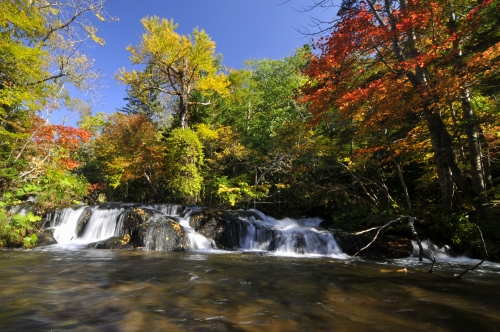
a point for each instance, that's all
(184, 96)
(476, 164)
(471, 127)
(183, 112)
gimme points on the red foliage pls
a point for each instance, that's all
(49, 138)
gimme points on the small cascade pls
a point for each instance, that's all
(168, 209)
(442, 253)
(65, 223)
(172, 227)
(22, 209)
(196, 240)
(100, 225)
(285, 236)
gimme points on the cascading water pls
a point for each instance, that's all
(285, 236)
(65, 223)
(168, 209)
(101, 225)
(244, 230)
(196, 240)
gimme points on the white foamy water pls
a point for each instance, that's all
(101, 225)
(288, 237)
(66, 221)
(254, 231)
(196, 240)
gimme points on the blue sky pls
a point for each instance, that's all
(241, 29)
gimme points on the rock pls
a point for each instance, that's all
(212, 224)
(221, 226)
(152, 230)
(244, 214)
(82, 222)
(45, 237)
(111, 243)
(163, 234)
(385, 246)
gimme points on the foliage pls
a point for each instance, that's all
(399, 76)
(39, 57)
(184, 158)
(16, 227)
(128, 150)
(175, 65)
(392, 109)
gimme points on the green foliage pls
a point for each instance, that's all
(16, 229)
(238, 190)
(176, 65)
(184, 160)
(93, 123)
(60, 188)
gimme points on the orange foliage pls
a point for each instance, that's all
(58, 141)
(358, 71)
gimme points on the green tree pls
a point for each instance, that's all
(184, 158)
(130, 157)
(175, 65)
(39, 55)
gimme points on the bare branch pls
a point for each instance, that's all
(378, 231)
(485, 257)
(433, 256)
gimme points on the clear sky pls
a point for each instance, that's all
(241, 29)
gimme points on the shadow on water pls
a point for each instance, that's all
(105, 290)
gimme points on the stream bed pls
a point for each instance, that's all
(59, 288)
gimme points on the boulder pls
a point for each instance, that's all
(45, 237)
(152, 230)
(221, 226)
(112, 243)
(82, 222)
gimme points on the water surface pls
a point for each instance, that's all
(56, 289)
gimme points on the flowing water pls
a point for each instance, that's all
(66, 287)
(51, 289)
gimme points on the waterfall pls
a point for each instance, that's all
(101, 225)
(65, 223)
(285, 236)
(196, 240)
(155, 226)
(168, 209)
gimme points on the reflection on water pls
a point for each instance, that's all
(104, 290)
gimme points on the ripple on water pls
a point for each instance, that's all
(136, 291)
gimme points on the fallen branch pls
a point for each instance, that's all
(433, 256)
(411, 221)
(485, 256)
(379, 228)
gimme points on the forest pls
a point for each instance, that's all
(391, 110)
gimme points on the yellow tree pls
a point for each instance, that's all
(175, 65)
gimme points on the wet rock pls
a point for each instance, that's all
(385, 246)
(152, 230)
(223, 227)
(163, 234)
(82, 222)
(212, 224)
(244, 214)
(45, 237)
(111, 243)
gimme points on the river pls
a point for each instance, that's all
(61, 288)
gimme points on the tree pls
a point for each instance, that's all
(176, 65)
(39, 55)
(386, 61)
(184, 159)
(131, 156)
